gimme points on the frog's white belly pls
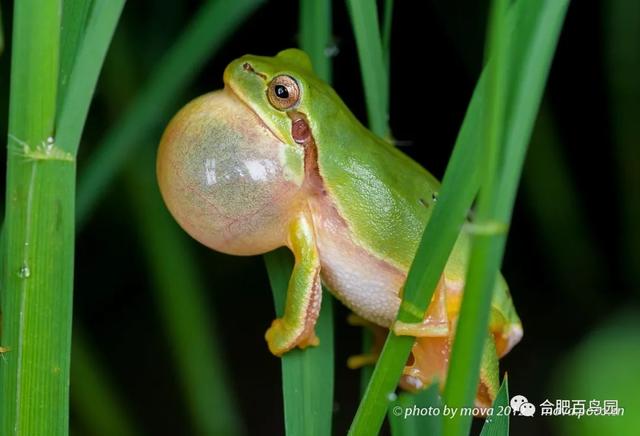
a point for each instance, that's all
(367, 285)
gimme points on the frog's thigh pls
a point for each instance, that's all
(304, 293)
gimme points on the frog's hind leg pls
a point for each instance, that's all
(429, 359)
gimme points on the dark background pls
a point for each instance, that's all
(566, 261)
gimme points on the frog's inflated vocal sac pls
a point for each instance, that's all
(277, 159)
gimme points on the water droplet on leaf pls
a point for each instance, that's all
(24, 272)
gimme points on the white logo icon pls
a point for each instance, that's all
(521, 406)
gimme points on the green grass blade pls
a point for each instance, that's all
(212, 25)
(93, 395)
(75, 14)
(40, 218)
(364, 19)
(529, 57)
(485, 257)
(86, 69)
(38, 280)
(498, 425)
(406, 419)
(307, 375)
(386, 34)
(315, 34)
(180, 291)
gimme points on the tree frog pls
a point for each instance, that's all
(277, 159)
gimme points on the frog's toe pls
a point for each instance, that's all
(282, 337)
(310, 341)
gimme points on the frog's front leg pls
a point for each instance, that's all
(304, 293)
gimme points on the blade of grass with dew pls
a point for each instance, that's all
(93, 396)
(212, 25)
(459, 186)
(497, 424)
(180, 291)
(405, 418)
(364, 20)
(307, 375)
(38, 228)
(622, 50)
(543, 21)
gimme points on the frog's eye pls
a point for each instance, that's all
(283, 92)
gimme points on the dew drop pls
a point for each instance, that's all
(24, 272)
(434, 196)
(49, 143)
(391, 396)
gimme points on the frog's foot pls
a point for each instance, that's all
(282, 337)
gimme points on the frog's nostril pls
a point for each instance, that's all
(248, 68)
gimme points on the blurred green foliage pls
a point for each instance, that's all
(602, 367)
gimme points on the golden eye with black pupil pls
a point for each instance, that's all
(283, 92)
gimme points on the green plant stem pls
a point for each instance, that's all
(39, 224)
(386, 35)
(38, 280)
(315, 35)
(364, 19)
(486, 249)
(307, 375)
(86, 68)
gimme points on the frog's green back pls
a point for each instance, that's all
(384, 195)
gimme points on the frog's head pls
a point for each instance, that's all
(230, 167)
(279, 90)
